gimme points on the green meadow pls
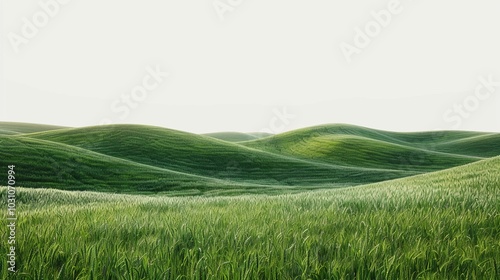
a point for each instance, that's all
(325, 202)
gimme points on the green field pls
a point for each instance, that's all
(327, 202)
(135, 158)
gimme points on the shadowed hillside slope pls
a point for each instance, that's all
(363, 147)
(205, 156)
(487, 145)
(44, 164)
(128, 158)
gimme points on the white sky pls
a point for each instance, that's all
(240, 73)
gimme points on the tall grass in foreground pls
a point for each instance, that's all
(407, 229)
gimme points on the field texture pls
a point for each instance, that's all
(327, 202)
(443, 225)
(145, 159)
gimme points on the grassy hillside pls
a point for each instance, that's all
(441, 225)
(364, 152)
(426, 140)
(363, 147)
(205, 156)
(44, 164)
(404, 138)
(8, 128)
(237, 136)
(482, 176)
(487, 145)
(7, 132)
(127, 158)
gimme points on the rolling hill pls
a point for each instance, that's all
(487, 145)
(128, 158)
(44, 164)
(436, 225)
(364, 152)
(417, 139)
(237, 136)
(362, 147)
(482, 176)
(205, 156)
(9, 128)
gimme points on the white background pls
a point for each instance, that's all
(265, 56)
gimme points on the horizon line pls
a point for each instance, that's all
(245, 132)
